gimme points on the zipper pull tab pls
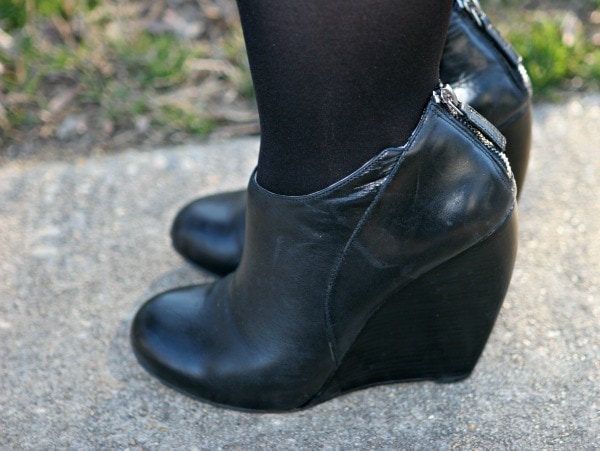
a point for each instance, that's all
(483, 128)
(447, 96)
(474, 9)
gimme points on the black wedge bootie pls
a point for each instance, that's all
(395, 273)
(484, 70)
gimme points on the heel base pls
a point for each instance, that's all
(452, 378)
(340, 391)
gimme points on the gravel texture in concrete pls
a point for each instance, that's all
(84, 243)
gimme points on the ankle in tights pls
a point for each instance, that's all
(337, 81)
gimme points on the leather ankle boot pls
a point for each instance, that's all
(485, 72)
(395, 273)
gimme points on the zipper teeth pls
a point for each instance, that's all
(485, 141)
(491, 146)
(474, 10)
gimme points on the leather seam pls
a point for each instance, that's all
(332, 280)
(334, 276)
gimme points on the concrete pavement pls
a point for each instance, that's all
(84, 243)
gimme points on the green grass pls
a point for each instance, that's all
(553, 62)
(556, 45)
(127, 73)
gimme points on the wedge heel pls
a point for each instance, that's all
(436, 327)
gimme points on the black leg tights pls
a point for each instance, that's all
(337, 81)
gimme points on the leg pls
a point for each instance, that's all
(338, 81)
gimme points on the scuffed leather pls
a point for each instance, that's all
(315, 267)
(489, 78)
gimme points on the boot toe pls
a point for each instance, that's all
(164, 341)
(209, 232)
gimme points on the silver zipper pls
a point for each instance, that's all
(474, 9)
(446, 96)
